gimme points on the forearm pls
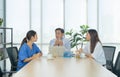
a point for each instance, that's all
(40, 54)
(90, 56)
(33, 57)
(28, 59)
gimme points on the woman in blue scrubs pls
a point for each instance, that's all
(28, 50)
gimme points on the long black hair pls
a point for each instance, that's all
(93, 39)
(28, 36)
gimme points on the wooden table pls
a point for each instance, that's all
(63, 67)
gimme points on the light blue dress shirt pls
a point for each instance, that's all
(66, 44)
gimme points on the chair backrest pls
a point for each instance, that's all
(116, 69)
(1, 73)
(109, 55)
(13, 55)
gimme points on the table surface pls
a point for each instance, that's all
(63, 67)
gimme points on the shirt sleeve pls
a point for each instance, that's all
(37, 48)
(86, 49)
(67, 45)
(23, 53)
(52, 42)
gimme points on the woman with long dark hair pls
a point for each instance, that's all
(28, 49)
(94, 48)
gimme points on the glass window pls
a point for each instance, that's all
(1, 8)
(36, 17)
(75, 14)
(1, 4)
(17, 17)
(45, 49)
(1, 13)
(52, 17)
(44, 16)
(109, 17)
(92, 13)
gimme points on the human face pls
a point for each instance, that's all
(88, 37)
(34, 38)
(58, 34)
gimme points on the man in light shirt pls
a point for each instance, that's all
(60, 40)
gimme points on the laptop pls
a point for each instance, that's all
(57, 51)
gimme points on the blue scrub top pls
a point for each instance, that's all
(26, 52)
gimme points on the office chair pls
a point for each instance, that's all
(13, 56)
(116, 69)
(1, 74)
(109, 55)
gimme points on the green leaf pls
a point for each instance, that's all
(71, 40)
(78, 39)
(75, 35)
(69, 32)
(73, 44)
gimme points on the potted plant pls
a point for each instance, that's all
(1, 21)
(77, 38)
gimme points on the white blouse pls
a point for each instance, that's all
(98, 53)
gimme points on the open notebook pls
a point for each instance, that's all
(57, 51)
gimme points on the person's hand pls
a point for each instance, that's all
(89, 56)
(33, 57)
(60, 42)
(36, 56)
(39, 54)
(79, 50)
(56, 43)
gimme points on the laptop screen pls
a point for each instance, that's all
(57, 51)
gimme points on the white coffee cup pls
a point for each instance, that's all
(82, 55)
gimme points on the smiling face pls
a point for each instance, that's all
(88, 37)
(34, 38)
(58, 34)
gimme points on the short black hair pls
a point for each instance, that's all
(62, 30)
